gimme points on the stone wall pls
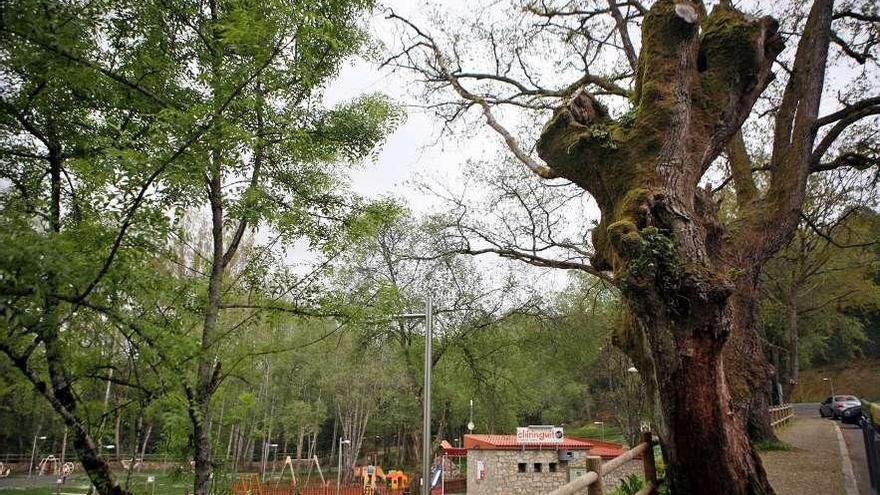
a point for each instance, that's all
(504, 478)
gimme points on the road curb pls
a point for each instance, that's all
(849, 476)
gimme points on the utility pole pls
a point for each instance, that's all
(426, 415)
(339, 469)
(428, 315)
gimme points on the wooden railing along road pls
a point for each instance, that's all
(781, 415)
(592, 481)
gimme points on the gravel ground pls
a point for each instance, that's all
(812, 467)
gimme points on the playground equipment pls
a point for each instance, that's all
(397, 479)
(370, 476)
(312, 462)
(127, 464)
(49, 465)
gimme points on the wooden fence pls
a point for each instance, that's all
(781, 415)
(592, 481)
(270, 488)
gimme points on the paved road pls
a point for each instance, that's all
(854, 443)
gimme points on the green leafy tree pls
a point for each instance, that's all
(818, 287)
(83, 137)
(115, 114)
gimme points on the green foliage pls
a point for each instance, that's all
(827, 291)
(654, 258)
(630, 485)
(120, 119)
(610, 433)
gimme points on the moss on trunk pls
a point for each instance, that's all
(660, 234)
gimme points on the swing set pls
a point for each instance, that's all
(252, 484)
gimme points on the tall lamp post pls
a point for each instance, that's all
(428, 316)
(602, 424)
(339, 469)
(34, 453)
(831, 386)
(274, 447)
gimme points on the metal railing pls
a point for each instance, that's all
(592, 481)
(871, 433)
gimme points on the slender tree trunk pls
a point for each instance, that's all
(146, 440)
(208, 371)
(313, 444)
(791, 320)
(117, 434)
(229, 444)
(335, 436)
(64, 447)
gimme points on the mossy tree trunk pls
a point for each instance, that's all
(688, 283)
(691, 283)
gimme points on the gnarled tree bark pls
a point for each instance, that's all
(687, 286)
(690, 282)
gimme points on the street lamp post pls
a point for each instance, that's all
(34, 453)
(274, 459)
(428, 316)
(830, 385)
(339, 468)
(602, 424)
(426, 415)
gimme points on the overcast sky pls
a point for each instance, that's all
(414, 152)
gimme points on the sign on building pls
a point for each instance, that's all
(539, 434)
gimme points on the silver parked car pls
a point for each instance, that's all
(833, 406)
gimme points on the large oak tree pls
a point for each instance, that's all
(688, 276)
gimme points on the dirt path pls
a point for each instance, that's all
(812, 466)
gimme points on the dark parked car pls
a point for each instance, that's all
(832, 406)
(851, 414)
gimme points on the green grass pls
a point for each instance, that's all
(49, 490)
(613, 433)
(79, 484)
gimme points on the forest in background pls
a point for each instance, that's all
(185, 270)
(302, 381)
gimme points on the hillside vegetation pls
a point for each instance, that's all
(861, 378)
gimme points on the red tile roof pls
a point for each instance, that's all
(606, 450)
(508, 442)
(451, 451)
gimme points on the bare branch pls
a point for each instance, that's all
(623, 31)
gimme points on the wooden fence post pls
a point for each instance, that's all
(648, 460)
(594, 463)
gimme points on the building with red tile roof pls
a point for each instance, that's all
(607, 450)
(504, 464)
